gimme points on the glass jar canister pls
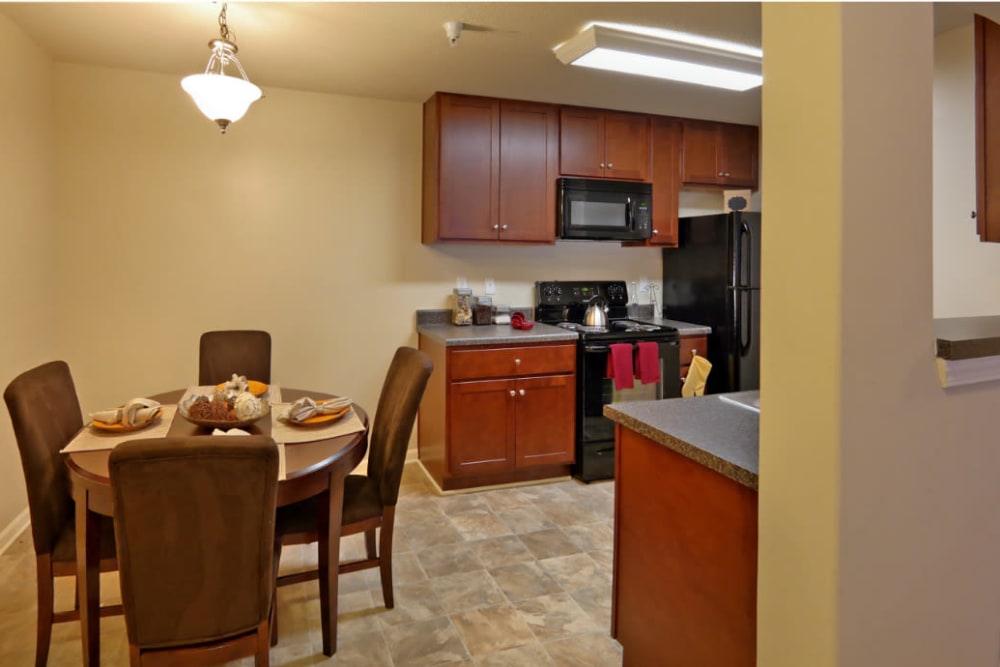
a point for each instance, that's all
(461, 314)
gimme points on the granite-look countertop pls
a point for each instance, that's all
(491, 334)
(683, 328)
(710, 430)
(967, 337)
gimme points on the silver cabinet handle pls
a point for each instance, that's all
(512, 392)
(517, 362)
(611, 166)
(503, 226)
(521, 392)
(655, 232)
(721, 173)
(602, 165)
(496, 226)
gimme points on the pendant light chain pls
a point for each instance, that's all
(223, 26)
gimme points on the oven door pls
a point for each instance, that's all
(595, 432)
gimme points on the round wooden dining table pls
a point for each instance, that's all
(315, 468)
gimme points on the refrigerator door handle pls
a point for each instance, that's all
(745, 251)
(746, 297)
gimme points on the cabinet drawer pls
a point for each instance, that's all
(689, 345)
(511, 361)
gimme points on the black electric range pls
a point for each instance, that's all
(563, 304)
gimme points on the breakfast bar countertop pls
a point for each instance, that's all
(719, 431)
(967, 337)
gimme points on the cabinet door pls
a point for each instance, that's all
(545, 409)
(481, 427)
(626, 146)
(581, 142)
(529, 153)
(739, 144)
(699, 165)
(468, 178)
(666, 147)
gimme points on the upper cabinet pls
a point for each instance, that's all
(665, 151)
(489, 170)
(719, 154)
(603, 144)
(987, 50)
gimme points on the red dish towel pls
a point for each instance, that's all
(647, 363)
(620, 365)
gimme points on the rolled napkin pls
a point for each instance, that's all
(304, 408)
(136, 411)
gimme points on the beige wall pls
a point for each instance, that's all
(303, 220)
(26, 259)
(879, 540)
(965, 270)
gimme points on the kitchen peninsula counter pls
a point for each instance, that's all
(685, 545)
(492, 334)
(968, 350)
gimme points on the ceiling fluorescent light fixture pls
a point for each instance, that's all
(223, 98)
(664, 54)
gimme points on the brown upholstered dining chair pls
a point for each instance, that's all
(244, 352)
(370, 500)
(45, 412)
(194, 522)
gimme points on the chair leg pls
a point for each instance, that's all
(262, 656)
(385, 555)
(370, 544)
(46, 605)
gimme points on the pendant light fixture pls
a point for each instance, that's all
(223, 98)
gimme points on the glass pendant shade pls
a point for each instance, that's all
(224, 99)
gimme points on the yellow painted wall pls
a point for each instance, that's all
(879, 540)
(26, 190)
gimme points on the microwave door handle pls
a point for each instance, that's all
(629, 213)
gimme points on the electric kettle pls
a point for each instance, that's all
(597, 312)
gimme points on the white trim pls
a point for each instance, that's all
(13, 530)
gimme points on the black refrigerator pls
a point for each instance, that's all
(713, 278)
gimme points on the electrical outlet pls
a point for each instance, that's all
(461, 282)
(644, 284)
(491, 287)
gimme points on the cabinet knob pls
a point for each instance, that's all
(611, 166)
(721, 174)
(517, 362)
(655, 232)
(503, 226)
(694, 352)
(727, 173)
(512, 392)
(602, 165)
(683, 379)
(496, 226)
(521, 392)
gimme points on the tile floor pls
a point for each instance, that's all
(518, 576)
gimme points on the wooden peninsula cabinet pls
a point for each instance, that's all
(490, 168)
(719, 154)
(691, 346)
(603, 144)
(498, 413)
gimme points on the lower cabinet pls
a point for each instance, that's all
(498, 414)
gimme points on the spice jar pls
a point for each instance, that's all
(461, 314)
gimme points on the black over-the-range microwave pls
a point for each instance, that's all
(605, 210)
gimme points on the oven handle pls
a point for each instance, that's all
(596, 348)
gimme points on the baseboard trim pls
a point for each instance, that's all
(13, 530)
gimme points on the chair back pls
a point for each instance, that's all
(194, 525)
(397, 411)
(222, 353)
(45, 413)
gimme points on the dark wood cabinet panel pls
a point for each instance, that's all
(498, 414)
(719, 154)
(489, 171)
(666, 149)
(529, 154)
(545, 409)
(483, 421)
(603, 144)
(987, 59)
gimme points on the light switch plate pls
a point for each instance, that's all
(461, 282)
(491, 287)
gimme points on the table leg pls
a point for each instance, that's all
(88, 581)
(329, 561)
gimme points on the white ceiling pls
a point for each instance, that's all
(399, 50)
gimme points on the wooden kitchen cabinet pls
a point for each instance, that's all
(719, 154)
(489, 170)
(594, 143)
(498, 414)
